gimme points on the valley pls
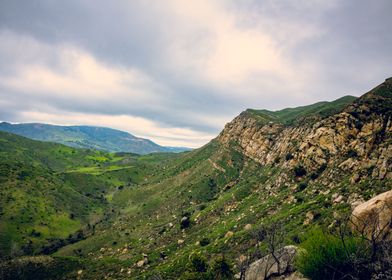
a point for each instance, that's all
(69, 213)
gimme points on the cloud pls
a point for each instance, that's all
(188, 66)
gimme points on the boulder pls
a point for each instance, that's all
(373, 218)
(291, 276)
(267, 266)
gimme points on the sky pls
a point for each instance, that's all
(177, 71)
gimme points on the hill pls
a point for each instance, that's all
(183, 216)
(88, 137)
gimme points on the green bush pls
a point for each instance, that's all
(221, 269)
(325, 256)
(198, 263)
(299, 171)
(289, 156)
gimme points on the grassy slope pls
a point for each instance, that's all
(87, 137)
(292, 115)
(243, 193)
(50, 191)
(217, 187)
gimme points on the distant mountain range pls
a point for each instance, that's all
(89, 137)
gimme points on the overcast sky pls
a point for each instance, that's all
(177, 71)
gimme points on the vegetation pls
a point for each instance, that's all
(88, 137)
(92, 214)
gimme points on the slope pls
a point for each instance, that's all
(212, 202)
(88, 137)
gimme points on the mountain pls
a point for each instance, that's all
(88, 137)
(205, 214)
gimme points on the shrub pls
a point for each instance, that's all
(299, 171)
(289, 156)
(204, 242)
(302, 186)
(326, 256)
(198, 263)
(221, 268)
(352, 153)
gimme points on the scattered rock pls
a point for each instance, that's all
(267, 266)
(140, 263)
(309, 218)
(374, 217)
(248, 227)
(229, 234)
(180, 241)
(336, 198)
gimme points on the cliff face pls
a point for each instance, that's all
(356, 140)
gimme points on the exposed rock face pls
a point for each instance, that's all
(268, 266)
(357, 140)
(374, 217)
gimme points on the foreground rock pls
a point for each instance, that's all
(373, 218)
(279, 266)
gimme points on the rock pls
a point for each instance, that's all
(80, 272)
(355, 178)
(265, 267)
(291, 276)
(309, 218)
(248, 227)
(374, 217)
(229, 234)
(140, 263)
(180, 241)
(337, 198)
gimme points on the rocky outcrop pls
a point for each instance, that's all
(279, 264)
(373, 218)
(356, 140)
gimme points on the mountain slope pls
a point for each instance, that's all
(52, 194)
(88, 137)
(212, 202)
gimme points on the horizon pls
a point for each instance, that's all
(176, 73)
(196, 147)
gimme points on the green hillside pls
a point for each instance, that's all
(193, 215)
(290, 116)
(88, 137)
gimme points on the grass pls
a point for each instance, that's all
(128, 205)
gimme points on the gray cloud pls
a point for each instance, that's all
(189, 66)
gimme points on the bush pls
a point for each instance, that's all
(326, 256)
(198, 263)
(302, 186)
(352, 154)
(221, 268)
(289, 156)
(299, 171)
(204, 242)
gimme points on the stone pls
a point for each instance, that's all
(265, 267)
(248, 227)
(309, 218)
(180, 241)
(291, 276)
(140, 263)
(338, 199)
(229, 234)
(373, 218)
